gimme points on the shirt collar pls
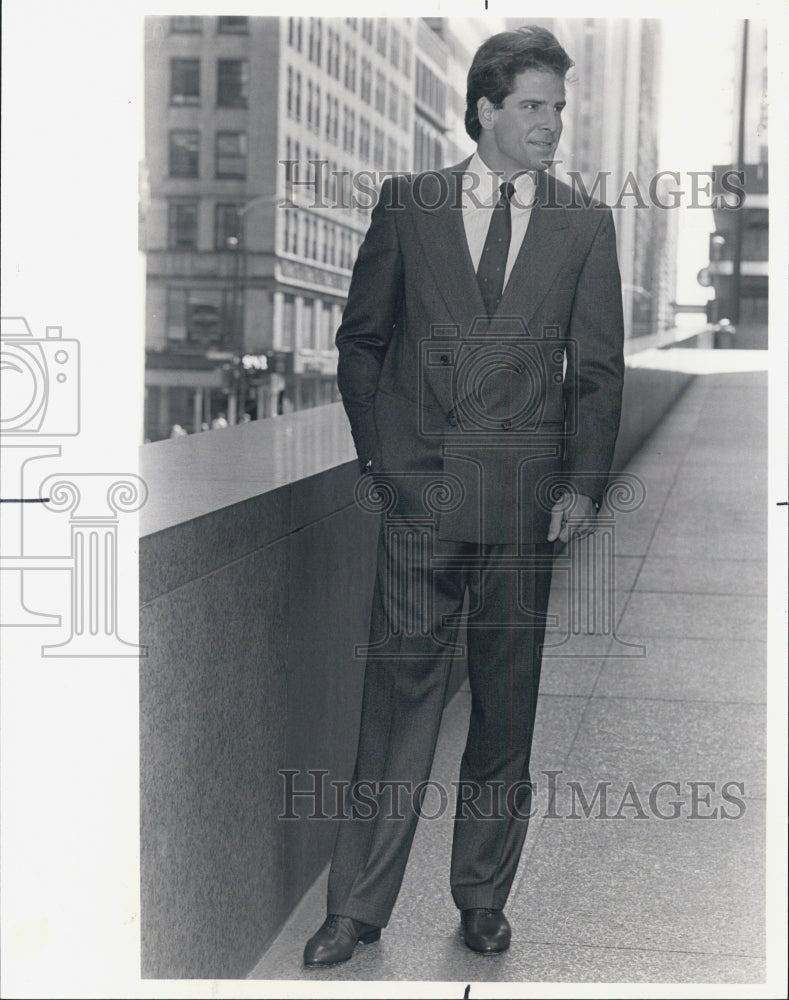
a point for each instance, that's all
(486, 193)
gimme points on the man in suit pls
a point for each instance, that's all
(480, 365)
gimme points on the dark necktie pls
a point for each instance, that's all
(493, 262)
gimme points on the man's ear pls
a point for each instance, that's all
(486, 113)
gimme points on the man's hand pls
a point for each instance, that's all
(581, 511)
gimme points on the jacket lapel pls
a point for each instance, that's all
(541, 256)
(443, 238)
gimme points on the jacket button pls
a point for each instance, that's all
(444, 359)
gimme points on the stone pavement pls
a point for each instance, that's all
(624, 894)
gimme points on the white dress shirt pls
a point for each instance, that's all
(478, 204)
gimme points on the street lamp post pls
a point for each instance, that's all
(237, 244)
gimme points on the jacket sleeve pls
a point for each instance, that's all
(374, 300)
(595, 369)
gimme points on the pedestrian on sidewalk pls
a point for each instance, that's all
(480, 358)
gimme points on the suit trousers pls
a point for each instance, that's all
(418, 602)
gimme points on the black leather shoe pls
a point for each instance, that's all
(485, 930)
(336, 939)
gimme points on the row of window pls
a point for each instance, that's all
(230, 154)
(213, 317)
(232, 82)
(302, 234)
(374, 148)
(307, 101)
(205, 317)
(309, 39)
(430, 90)
(325, 243)
(230, 148)
(182, 225)
(194, 25)
(316, 326)
(428, 149)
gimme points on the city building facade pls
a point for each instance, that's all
(614, 156)
(255, 127)
(738, 270)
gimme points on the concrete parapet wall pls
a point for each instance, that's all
(256, 575)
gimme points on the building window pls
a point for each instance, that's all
(367, 30)
(232, 83)
(407, 57)
(351, 144)
(307, 322)
(319, 43)
(184, 153)
(403, 158)
(394, 47)
(350, 67)
(182, 225)
(198, 316)
(324, 332)
(391, 154)
(297, 98)
(333, 54)
(233, 25)
(186, 25)
(290, 224)
(378, 149)
(394, 103)
(364, 139)
(333, 120)
(348, 130)
(366, 83)
(288, 321)
(294, 33)
(227, 227)
(231, 154)
(184, 81)
(331, 243)
(380, 92)
(380, 39)
(315, 41)
(405, 112)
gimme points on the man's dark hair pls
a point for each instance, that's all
(501, 58)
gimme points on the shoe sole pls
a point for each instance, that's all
(487, 951)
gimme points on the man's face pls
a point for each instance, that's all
(526, 129)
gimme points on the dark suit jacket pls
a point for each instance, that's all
(466, 415)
